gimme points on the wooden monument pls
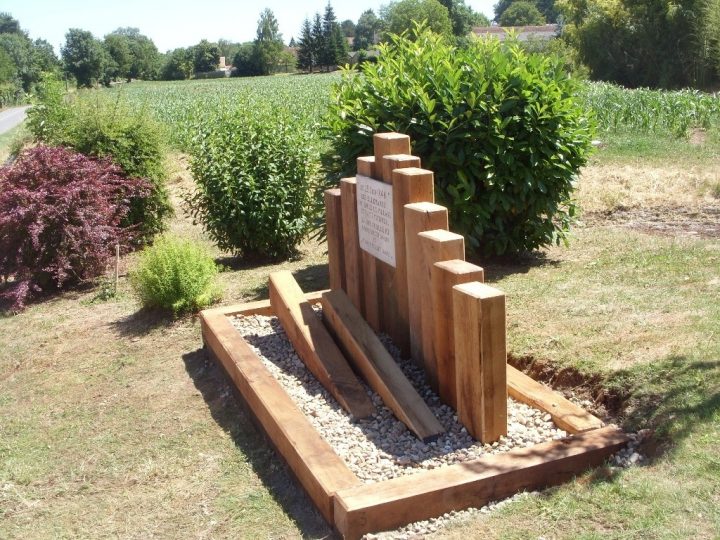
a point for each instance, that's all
(396, 268)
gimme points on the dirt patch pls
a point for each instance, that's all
(697, 222)
(697, 137)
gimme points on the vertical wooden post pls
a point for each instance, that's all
(386, 144)
(438, 245)
(334, 227)
(444, 276)
(419, 217)
(371, 287)
(410, 185)
(481, 357)
(353, 266)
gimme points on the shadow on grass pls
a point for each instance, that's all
(311, 278)
(142, 322)
(497, 268)
(230, 414)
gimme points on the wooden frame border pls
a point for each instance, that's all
(354, 508)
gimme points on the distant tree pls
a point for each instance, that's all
(546, 7)
(366, 31)
(268, 41)
(306, 60)
(206, 56)
(522, 13)
(9, 25)
(118, 48)
(461, 16)
(479, 19)
(20, 49)
(83, 57)
(145, 55)
(402, 16)
(292, 42)
(179, 65)
(44, 56)
(7, 68)
(348, 28)
(334, 50)
(245, 61)
(228, 49)
(318, 39)
(287, 61)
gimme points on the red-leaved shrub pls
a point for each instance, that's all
(60, 215)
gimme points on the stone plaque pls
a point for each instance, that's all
(376, 226)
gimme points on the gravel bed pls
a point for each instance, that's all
(381, 447)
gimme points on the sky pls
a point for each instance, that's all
(180, 23)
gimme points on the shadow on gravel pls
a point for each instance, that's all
(229, 411)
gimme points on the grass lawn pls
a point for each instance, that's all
(113, 423)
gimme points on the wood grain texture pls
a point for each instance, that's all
(385, 144)
(353, 253)
(320, 471)
(480, 360)
(368, 356)
(315, 346)
(258, 307)
(565, 413)
(371, 287)
(438, 245)
(444, 276)
(397, 502)
(419, 217)
(335, 243)
(366, 167)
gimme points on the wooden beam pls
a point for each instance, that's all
(419, 217)
(258, 307)
(320, 471)
(353, 258)
(444, 276)
(397, 502)
(410, 185)
(334, 234)
(438, 245)
(385, 144)
(480, 360)
(314, 345)
(368, 356)
(564, 413)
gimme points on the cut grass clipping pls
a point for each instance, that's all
(176, 275)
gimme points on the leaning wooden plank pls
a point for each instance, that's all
(315, 347)
(351, 238)
(397, 502)
(565, 413)
(481, 360)
(419, 217)
(334, 234)
(444, 276)
(369, 356)
(317, 467)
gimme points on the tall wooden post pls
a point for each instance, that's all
(334, 233)
(419, 217)
(353, 265)
(438, 245)
(371, 286)
(444, 276)
(480, 360)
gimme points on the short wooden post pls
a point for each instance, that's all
(371, 288)
(438, 245)
(444, 276)
(480, 360)
(419, 217)
(410, 185)
(334, 234)
(353, 266)
(386, 144)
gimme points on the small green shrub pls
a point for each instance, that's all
(499, 127)
(254, 169)
(176, 275)
(101, 128)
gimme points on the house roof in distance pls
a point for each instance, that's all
(523, 33)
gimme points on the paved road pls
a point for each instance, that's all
(11, 118)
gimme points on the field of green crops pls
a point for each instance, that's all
(182, 106)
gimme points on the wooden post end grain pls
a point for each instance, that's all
(438, 245)
(385, 144)
(366, 166)
(480, 360)
(444, 276)
(336, 246)
(419, 217)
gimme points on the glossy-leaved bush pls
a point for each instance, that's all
(176, 275)
(99, 127)
(254, 170)
(60, 219)
(500, 128)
